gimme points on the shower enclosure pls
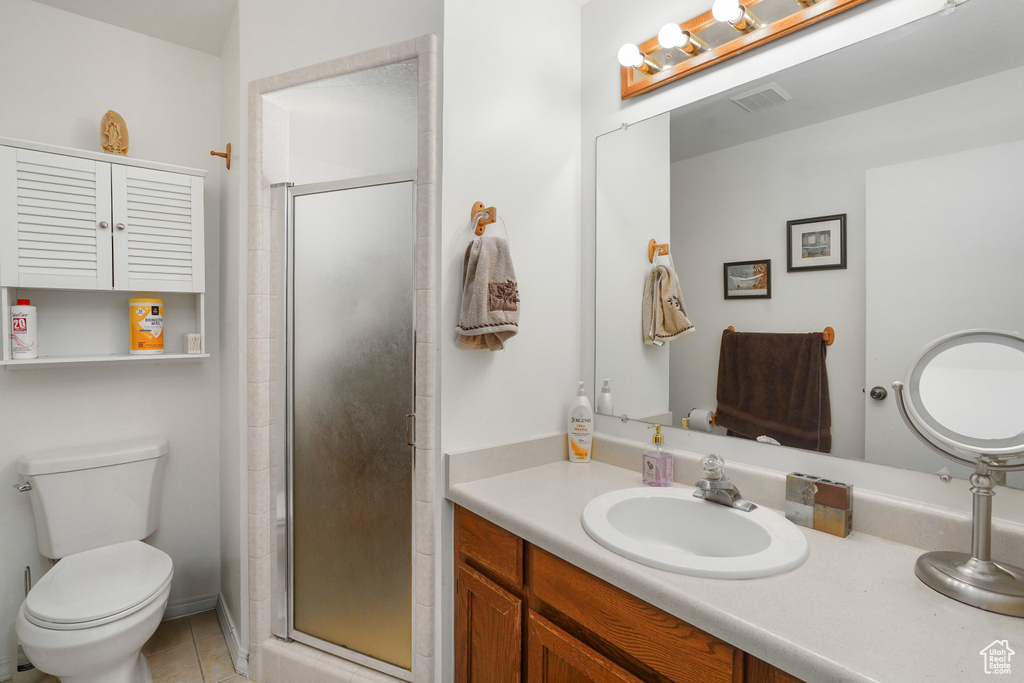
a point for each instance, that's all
(343, 571)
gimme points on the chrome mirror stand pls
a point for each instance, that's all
(973, 579)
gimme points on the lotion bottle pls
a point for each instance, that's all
(581, 427)
(658, 466)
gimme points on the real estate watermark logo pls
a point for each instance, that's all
(997, 657)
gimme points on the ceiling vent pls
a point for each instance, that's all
(763, 97)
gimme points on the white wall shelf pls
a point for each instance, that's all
(51, 361)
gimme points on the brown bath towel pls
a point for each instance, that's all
(775, 385)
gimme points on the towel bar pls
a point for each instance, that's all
(828, 335)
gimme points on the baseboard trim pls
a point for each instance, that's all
(239, 654)
(183, 609)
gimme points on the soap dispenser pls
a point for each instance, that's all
(605, 405)
(658, 465)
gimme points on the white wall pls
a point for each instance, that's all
(61, 73)
(511, 141)
(234, 522)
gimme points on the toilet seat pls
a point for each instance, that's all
(98, 586)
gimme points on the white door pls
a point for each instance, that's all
(54, 221)
(959, 209)
(158, 230)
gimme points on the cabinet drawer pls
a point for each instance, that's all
(668, 645)
(489, 547)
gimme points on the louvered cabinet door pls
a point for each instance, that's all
(158, 230)
(54, 221)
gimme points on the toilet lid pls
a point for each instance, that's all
(98, 585)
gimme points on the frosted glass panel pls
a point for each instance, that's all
(352, 388)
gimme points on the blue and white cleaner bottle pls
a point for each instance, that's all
(581, 427)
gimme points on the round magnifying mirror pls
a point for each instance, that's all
(967, 391)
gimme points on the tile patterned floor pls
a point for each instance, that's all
(188, 650)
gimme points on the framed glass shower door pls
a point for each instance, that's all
(350, 396)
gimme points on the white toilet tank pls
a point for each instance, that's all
(94, 496)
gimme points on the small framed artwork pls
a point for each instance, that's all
(816, 243)
(748, 279)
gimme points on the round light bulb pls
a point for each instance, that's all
(671, 35)
(629, 55)
(727, 10)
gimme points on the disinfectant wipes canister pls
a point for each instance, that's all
(147, 324)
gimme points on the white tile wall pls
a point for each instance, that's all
(270, 660)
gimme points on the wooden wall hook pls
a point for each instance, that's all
(226, 155)
(655, 249)
(492, 215)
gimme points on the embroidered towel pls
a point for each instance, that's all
(664, 312)
(489, 315)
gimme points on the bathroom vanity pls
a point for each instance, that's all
(538, 599)
(513, 597)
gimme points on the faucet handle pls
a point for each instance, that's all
(712, 465)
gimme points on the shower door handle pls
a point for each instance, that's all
(410, 417)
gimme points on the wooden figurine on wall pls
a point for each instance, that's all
(114, 133)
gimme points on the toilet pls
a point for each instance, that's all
(86, 620)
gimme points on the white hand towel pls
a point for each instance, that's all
(489, 315)
(664, 312)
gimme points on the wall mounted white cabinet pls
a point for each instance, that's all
(82, 221)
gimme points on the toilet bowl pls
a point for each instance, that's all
(88, 618)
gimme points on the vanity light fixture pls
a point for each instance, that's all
(736, 15)
(653, 63)
(630, 56)
(673, 36)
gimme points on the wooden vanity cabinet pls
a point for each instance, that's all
(523, 614)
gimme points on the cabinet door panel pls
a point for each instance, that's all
(158, 231)
(554, 656)
(488, 631)
(55, 213)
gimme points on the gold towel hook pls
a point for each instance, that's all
(655, 249)
(492, 215)
(226, 154)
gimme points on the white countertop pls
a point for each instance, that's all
(854, 611)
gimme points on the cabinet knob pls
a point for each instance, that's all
(120, 226)
(104, 225)
(879, 393)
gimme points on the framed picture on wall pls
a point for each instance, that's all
(748, 279)
(816, 243)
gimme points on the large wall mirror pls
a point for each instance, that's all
(915, 135)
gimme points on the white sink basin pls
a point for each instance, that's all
(669, 529)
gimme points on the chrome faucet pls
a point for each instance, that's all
(716, 487)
